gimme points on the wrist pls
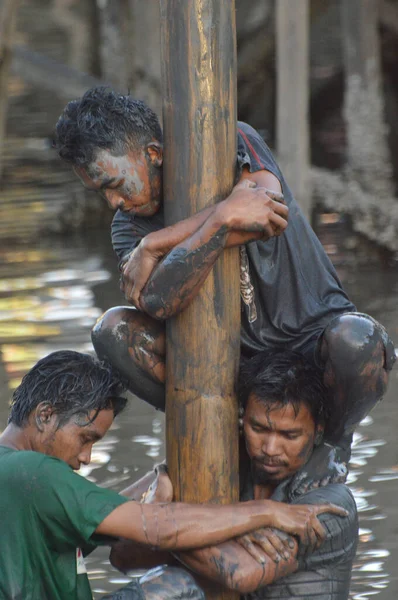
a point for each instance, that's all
(153, 246)
(261, 512)
(149, 243)
(221, 217)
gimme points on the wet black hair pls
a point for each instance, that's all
(279, 378)
(74, 384)
(104, 119)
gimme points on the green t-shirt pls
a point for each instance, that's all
(48, 515)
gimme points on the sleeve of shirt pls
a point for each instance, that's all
(69, 506)
(124, 235)
(254, 153)
(342, 532)
(127, 231)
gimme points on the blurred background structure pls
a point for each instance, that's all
(319, 80)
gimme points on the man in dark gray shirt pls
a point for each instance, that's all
(291, 295)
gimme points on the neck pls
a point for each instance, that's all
(263, 492)
(15, 437)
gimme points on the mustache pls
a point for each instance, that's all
(270, 462)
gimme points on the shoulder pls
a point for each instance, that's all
(121, 221)
(340, 495)
(125, 221)
(336, 493)
(39, 470)
(28, 460)
(33, 470)
(248, 136)
(253, 151)
(44, 468)
(341, 532)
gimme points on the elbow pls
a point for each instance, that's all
(156, 307)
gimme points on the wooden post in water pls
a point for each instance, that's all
(8, 12)
(369, 160)
(292, 130)
(199, 117)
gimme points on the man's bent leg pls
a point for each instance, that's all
(161, 583)
(134, 344)
(356, 355)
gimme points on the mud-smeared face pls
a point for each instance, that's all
(132, 182)
(279, 441)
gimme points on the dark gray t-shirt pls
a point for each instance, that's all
(289, 288)
(326, 573)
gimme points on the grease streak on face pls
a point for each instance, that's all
(278, 441)
(131, 183)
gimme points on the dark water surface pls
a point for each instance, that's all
(51, 293)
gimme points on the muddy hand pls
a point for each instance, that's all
(137, 270)
(264, 542)
(302, 521)
(253, 208)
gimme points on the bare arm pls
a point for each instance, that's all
(232, 566)
(157, 244)
(227, 564)
(182, 526)
(247, 214)
(179, 526)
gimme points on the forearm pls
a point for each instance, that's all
(177, 279)
(168, 238)
(179, 526)
(230, 565)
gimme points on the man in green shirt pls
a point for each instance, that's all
(52, 516)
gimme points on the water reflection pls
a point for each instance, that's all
(51, 293)
(372, 286)
(369, 574)
(52, 307)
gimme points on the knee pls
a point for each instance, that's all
(112, 330)
(355, 340)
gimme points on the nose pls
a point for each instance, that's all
(271, 445)
(85, 457)
(113, 199)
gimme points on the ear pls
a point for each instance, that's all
(44, 415)
(319, 435)
(155, 153)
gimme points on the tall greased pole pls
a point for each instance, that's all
(198, 44)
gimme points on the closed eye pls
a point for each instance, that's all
(258, 429)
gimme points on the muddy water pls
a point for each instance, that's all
(52, 292)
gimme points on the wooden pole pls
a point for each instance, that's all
(8, 12)
(199, 115)
(292, 50)
(367, 148)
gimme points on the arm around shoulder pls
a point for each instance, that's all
(341, 533)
